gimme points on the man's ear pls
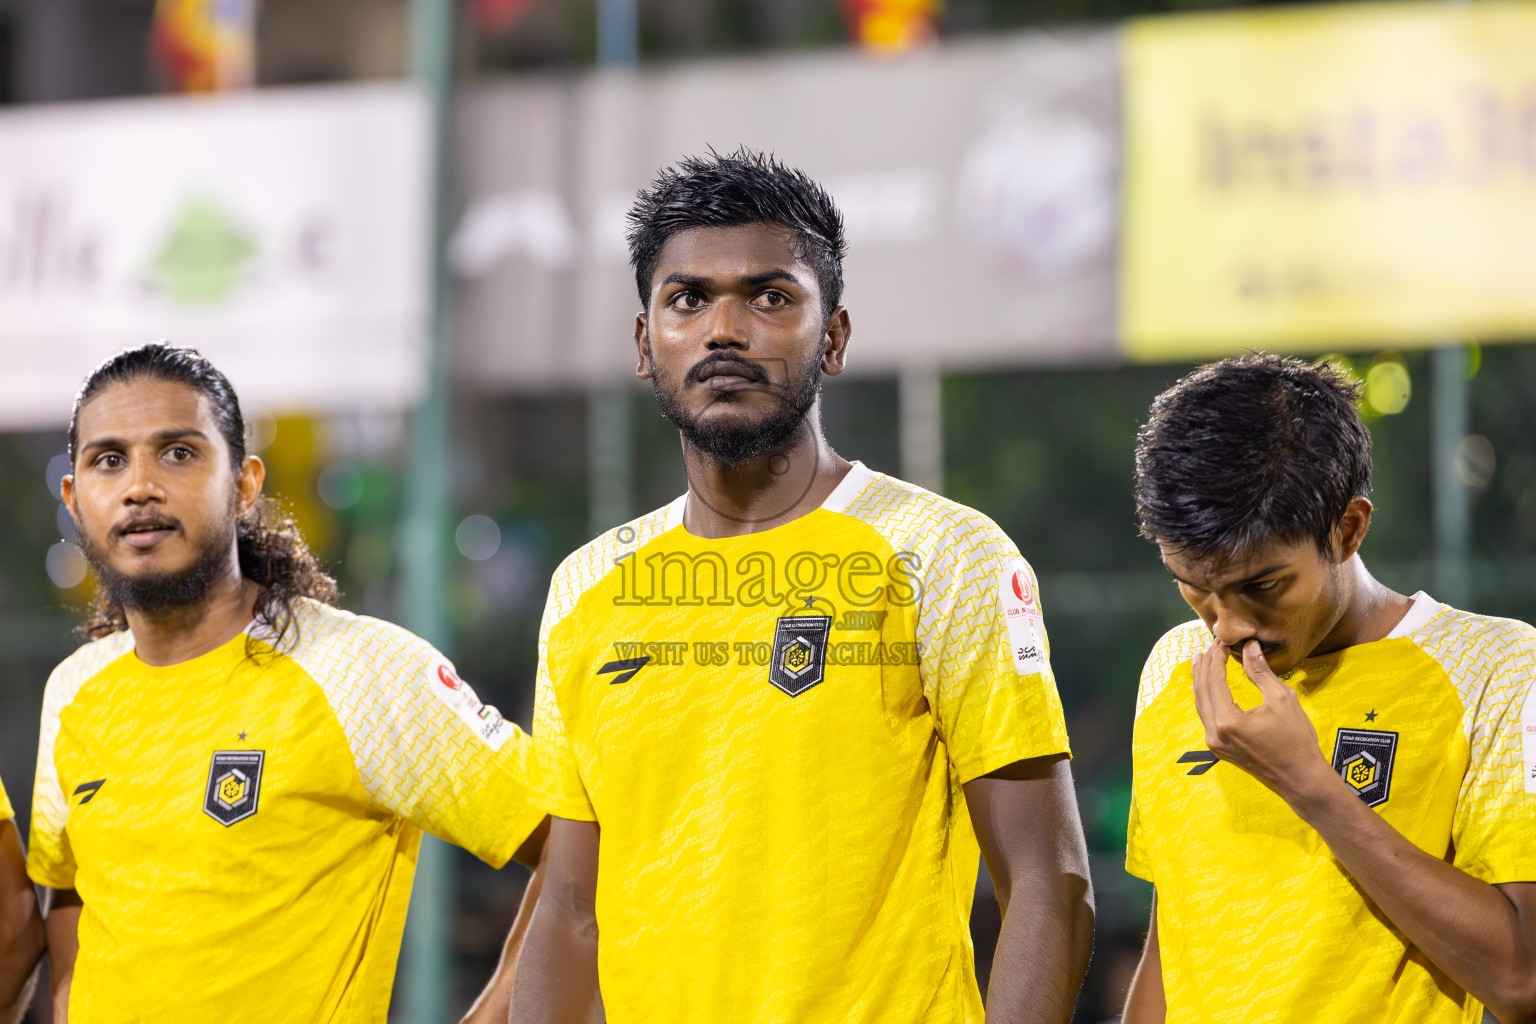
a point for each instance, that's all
(1353, 525)
(834, 349)
(642, 346)
(67, 495)
(253, 474)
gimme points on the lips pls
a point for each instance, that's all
(728, 375)
(146, 531)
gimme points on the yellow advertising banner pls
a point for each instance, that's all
(1324, 177)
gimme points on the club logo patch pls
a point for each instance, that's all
(799, 658)
(234, 785)
(1363, 758)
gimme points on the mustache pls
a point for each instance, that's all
(710, 364)
(146, 521)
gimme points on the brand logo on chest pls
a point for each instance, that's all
(799, 658)
(1363, 758)
(234, 785)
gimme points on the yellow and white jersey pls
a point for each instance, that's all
(772, 732)
(243, 827)
(1256, 921)
(7, 812)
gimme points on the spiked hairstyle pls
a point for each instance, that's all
(1249, 451)
(744, 187)
(271, 549)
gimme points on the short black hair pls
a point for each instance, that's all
(1251, 451)
(744, 187)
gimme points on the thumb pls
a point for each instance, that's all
(1259, 672)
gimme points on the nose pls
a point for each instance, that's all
(142, 486)
(727, 325)
(1230, 626)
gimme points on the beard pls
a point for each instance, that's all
(160, 593)
(731, 442)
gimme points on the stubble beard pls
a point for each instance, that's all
(733, 442)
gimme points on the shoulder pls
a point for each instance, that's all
(1176, 647)
(1479, 652)
(912, 518)
(330, 643)
(82, 666)
(583, 568)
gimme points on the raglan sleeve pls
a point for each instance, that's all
(50, 861)
(564, 790)
(1496, 809)
(983, 651)
(430, 752)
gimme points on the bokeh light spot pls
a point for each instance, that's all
(66, 565)
(478, 538)
(1388, 386)
(1475, 461)
(341, 485)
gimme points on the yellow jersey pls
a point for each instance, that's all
(7, 812)
(772, 732)
(243, 827)
(1256, 921)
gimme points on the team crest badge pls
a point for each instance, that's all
(234, 785)
(1363, 758)
(799, 652)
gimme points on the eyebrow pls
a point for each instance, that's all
(163, 437)
(1236, 583)
(750, 281)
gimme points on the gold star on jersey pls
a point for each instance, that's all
(772, 732)
(1256, 921)
(243, 829)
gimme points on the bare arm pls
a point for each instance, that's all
(1026, 820)
(21, 927)
(1145, 1004)
(63, 924)
(556, 979)
(1483, 936)
(495, 1003)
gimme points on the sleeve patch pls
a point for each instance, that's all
(1026, 625)
(460, 698)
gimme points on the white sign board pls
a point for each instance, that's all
(978, 182)
(282, 233)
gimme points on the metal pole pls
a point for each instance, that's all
(1450, 416)
(610, 440)
(424, 530)
(921, 407)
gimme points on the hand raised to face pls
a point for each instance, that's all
(1274, 742)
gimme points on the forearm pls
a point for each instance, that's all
(495, 1003)
(1042, 951)
(21, 948)
(1146, 1003)
(556, 980)
(1466, 927)
(63, 924)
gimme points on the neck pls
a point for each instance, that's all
(734, 501)
(1371, 609)
(171, 637)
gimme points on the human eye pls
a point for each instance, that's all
(687, 300)
(108, 460)
(771, 299)
(180, 453)
(1263, 586)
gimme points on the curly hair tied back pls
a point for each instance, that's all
(744, 187)
(1250, 451)
(271, 550)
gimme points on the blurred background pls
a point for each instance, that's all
(397, 225)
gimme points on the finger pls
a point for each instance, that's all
(1210, 680)
(1257, 669)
